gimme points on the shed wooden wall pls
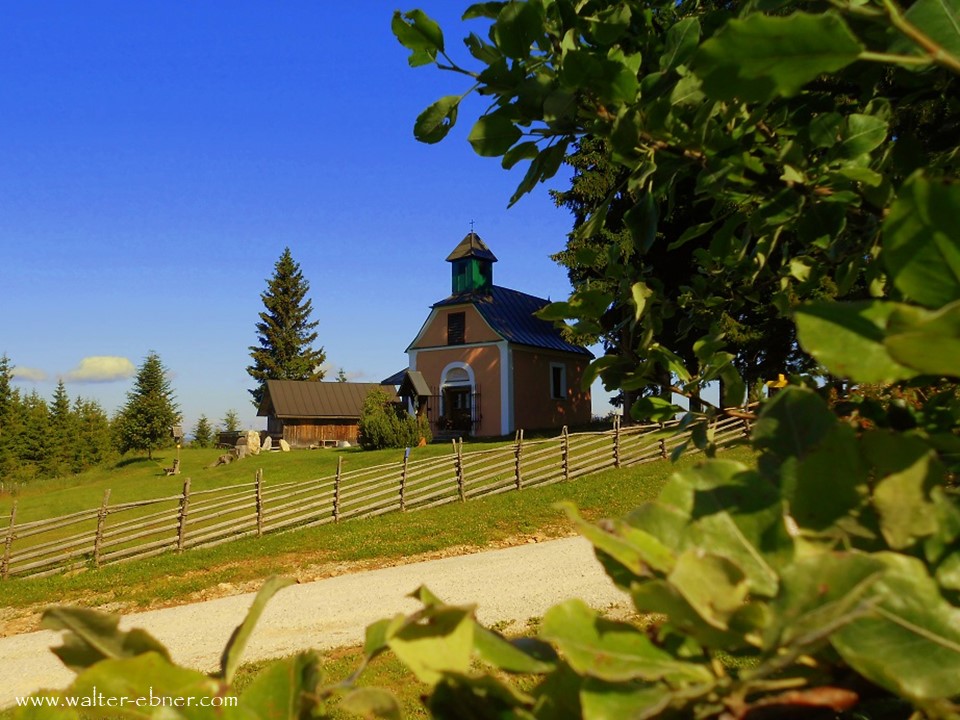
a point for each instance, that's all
(304, 433)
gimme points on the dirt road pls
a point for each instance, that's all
(513, 584)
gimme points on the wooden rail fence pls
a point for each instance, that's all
(126, 531)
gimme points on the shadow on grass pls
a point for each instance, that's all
(132, 461)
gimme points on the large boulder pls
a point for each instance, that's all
(252, 441)
(267, 444)
(284, 445)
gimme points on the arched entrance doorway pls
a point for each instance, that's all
(457, 398)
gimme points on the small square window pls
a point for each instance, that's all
(558, 381)
(456, 328)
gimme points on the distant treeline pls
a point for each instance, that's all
(49, 439)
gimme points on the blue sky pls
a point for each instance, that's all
(156, 158)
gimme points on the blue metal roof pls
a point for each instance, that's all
(510, 314)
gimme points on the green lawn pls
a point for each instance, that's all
(170, 578)
(141, 479)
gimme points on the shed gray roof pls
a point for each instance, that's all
(510, 313)
(306, 399)
(414, 384)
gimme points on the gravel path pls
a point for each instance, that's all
(513, 584)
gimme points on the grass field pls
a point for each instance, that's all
(140, 479)
(509, 518)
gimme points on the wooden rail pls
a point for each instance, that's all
(127, 531)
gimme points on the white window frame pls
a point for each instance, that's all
(563, 380)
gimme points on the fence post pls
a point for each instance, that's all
(663, 448)
(565, 452)
(458, 461)
(259, 501)
(403, 480)
(101, 521)
(747, 428)
(518, 456)
(336, 490)
(616, 441)
(184, 508)
(5, 565)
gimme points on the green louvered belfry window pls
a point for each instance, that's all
(472, 274)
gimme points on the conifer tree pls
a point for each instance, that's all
(144, 422)
(62, 434)
(93, 445)
(285, 333)
(202, 433)
(231, 421)
(9, 401)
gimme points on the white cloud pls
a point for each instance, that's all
(101, 368)
(24, 373)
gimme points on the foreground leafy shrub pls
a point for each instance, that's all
(386, 424)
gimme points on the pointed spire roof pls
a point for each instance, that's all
(472, 246)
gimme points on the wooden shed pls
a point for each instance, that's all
(308, 413)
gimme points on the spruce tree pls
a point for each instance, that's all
(144, 422)
(202, 433)
(93, 445)
(231, 421)
(62, 432)
(9, 425)
(285, 332)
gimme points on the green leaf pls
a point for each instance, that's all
(861, 134)
(521, 656)
(818, 594)
(232, 653)
(488, 10)
(639, 293)
(939, 20)
(518, 26)
(849, 340)
(831, 482)
(824, 129)
(610, 24)
(93, 636)
(909, 470)
(613, 651)
(737, 514)
(660, 596)
(369, 702)
(614, 701)
(483, 697)
(435, 122)
(417, 32)
(921, 248)
(714, 586)
(435, 641)
(654, 409)
(632, 547)
(793, 423)
(910, 642)
(523, 151)
(279, 691)
(642, 220)
(482, 51)
(734, 389)
(762, 56)
(681, 44)
(492, 135)
(146, 676)
(928, 342)
(543, 167)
